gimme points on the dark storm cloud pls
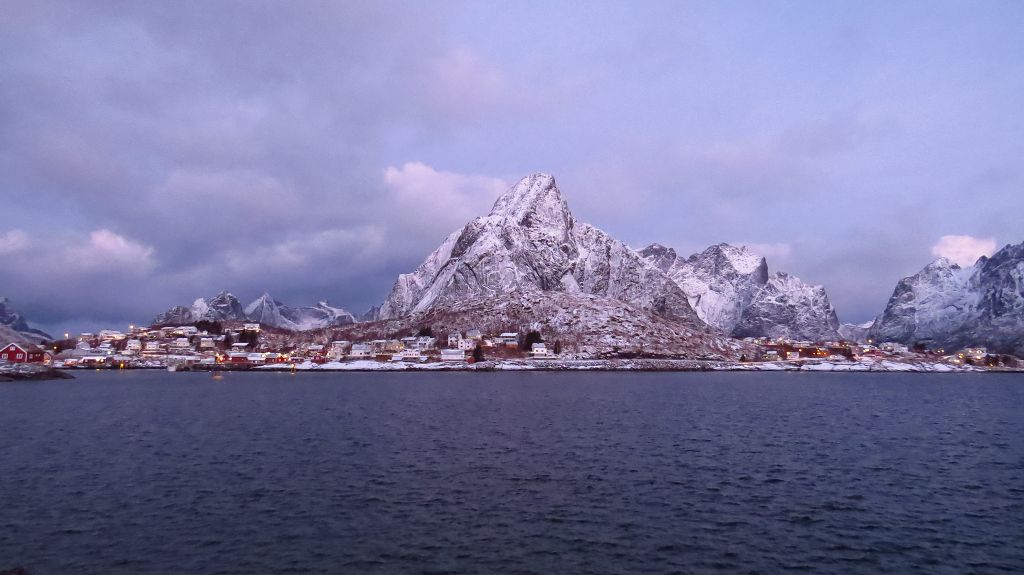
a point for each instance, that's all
(153, 152)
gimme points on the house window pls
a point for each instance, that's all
(20, 356)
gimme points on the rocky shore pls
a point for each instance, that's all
(29, 372)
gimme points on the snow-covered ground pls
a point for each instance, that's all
(632, 365)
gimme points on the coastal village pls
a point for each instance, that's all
(212, 346)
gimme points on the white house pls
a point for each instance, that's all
(425, 342)
(474, 334)
(509, 339)
(454, 338)
(360, 351)
(207, 343)
(466, 344)
(894, 347)
(133, 346)
(339, 349)
(540, 351)
(453, 355)
(408, 355)
(250, 327)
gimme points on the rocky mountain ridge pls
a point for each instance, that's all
(17, 326)
(265, 310)
(730, 289)
(947, 306)
(531, 241)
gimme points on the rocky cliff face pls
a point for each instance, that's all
(787, 307)
(730, 288)
(531, 242)
(951, 307)
(933, 301)
(719, 282)
(584, 325)
(15, 322)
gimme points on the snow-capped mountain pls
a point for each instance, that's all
(264, 310)
(719, 282)
(268, 311)
(14, 321)
(951, 307)
(530, 241)
(789, 308)
(855, 332)
(221, 307)
(933, 301)
(730, 289)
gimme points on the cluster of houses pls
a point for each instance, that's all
(245, 346)
(785, 350)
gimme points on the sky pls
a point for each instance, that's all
(155, 152)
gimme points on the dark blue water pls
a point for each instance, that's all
(150, 472)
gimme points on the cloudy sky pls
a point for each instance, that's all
(153, 152)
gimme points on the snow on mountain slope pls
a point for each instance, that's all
(264, 310)
(719, 282)
(13, 320)
(267, 311)
(730, 289)
(585, 325)
(530, 240)
(951, 307)
(855, 332)
(318, 316)
(221, 307)
(11, 335)
(787, 307)
(935, 300)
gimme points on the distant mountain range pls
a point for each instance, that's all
(530, 262)
(264, 310)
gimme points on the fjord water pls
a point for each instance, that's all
(151, 472)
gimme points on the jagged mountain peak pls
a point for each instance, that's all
(730, 288)
(946, 306)
(530, 241)
(788, 307)
(659, 256)
(725, 257)
(265, 310)
(12, 319)
(940, 265)
(534, 201)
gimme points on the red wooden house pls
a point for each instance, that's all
(15, 353)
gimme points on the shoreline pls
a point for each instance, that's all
(32, 372)
(663, 365)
